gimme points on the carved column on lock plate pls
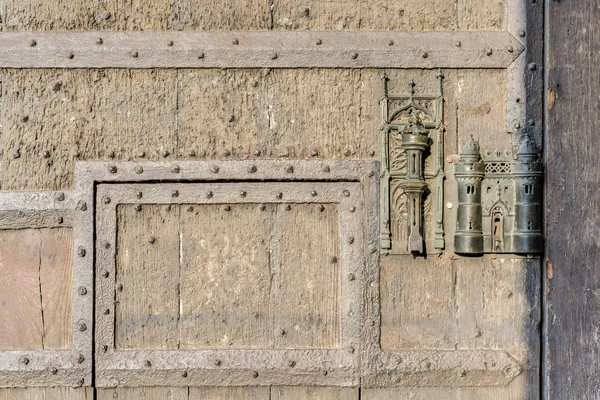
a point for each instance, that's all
(415, 141)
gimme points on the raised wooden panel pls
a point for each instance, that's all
(35, 289)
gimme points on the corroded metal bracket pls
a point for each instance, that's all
(499, 200)
(412, 171)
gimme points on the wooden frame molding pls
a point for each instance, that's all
(246, 49)
(69, 367)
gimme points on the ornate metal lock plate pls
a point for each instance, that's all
(412, 171)
(499, 195)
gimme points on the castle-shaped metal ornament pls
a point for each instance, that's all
(499, 200)
(412, 171)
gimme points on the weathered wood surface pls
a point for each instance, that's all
(35, 289)
(120, 15)
(572, 164)
(226, 393)
(210, 114)
(50, 393)
(227, 276)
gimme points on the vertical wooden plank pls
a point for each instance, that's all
(225, 276)
(147, 276)
(572, 165)
(418, 304)
(229, 393)
(144, 393)
(482, 99)
(54, 393)
(21, 314)
(313, 393)
(412, 393)
(56, 276)
(306, 276)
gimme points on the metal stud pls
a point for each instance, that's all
(354, 55)
(458, 43)
(148, 363)
(107, 245)
(321, 207)
(314, 152)
(46, 154)
(351, 277)
(82, 326)
(200, 56)
(170, 43)
(139, 169)
(236, 41)
(163, 153)
(59, 220)
(16, 153)
(279, 195)
(319, 42)
(214, 169)
(510, 49)
(81, 251)
(282, 332)
(190, 208)
(288, 207)
(252, 169)
(107, 311)
(99, 41)
(347, 152)
(175, 169)
(326, 168)
(227, 207)
(255, 374)
(217, 362)
(139, 195)
(80, 359)
(175, 193)
(53, 371)
(291, 363)
(184, 374)
(60, 196)
(71, 55)
(25, 118)
(256, 153)
(313, 193)
(112, 169)
(352, 209)
(424, 54)
(333, 260)
(273, 55)
(134, 54)
(522, 33)
(32, 43)
(262, 207)
(351, 239)
(105, 274)
(489, 52)
(390, 43)
(289, 169)
(346, 193)
(242, 194)
(137, 207)
(209, 195)
(372, 249)
(532, 66)
(24, 360)
(151, 240)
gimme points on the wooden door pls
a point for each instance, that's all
(198, 199)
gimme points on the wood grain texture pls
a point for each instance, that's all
(50, 393)
(35, 295)
(363, 14)
(306, 277)
(225, 276)
(482, 107)
(215, 113)
(147, 308)
(572, 162)
(481, 14)
(313, 393)
(122, 15)
(418, 304)
(144, 393)
(56, 277)
(229, 393)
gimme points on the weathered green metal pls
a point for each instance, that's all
(412, 203)
(499, 200)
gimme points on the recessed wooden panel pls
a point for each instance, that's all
(35, 289)
(147, 300)
(225, 276)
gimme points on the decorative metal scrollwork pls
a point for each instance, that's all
(412, 171)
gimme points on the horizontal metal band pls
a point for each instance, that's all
(444, 368)
(297, 49)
